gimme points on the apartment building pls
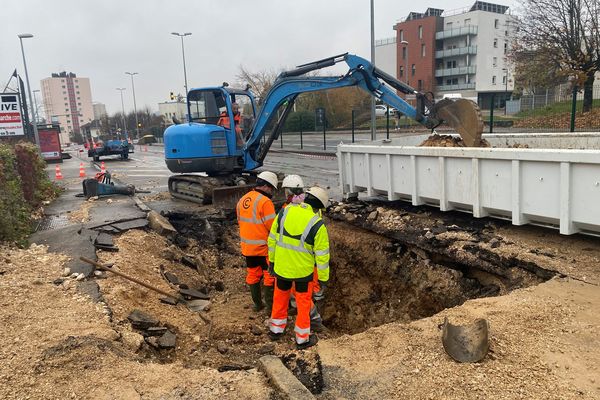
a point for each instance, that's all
(67, 100)
(467, 52)
(170, 109)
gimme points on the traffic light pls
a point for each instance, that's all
(172, 96)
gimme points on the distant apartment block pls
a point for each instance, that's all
(68, 100)
(99, 110)
(386, 55)
(457, 52)
(170, 109)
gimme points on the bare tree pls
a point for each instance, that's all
(260, 81)
(565, 32)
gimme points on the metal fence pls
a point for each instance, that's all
(546, 97)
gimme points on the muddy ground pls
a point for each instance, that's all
(396, 272)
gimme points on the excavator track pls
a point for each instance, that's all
(221, 191)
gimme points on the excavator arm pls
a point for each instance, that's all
(462, 115)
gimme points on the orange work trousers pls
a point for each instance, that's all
(257, 269)
(279, 313)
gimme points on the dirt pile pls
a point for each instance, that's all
(436, 140)
(57, 343)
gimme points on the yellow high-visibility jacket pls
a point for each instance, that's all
(297, 242)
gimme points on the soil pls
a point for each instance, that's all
(82, 214)
(397, 271)
(436, 140)
(57, 343)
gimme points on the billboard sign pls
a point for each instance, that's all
(11, 123)
(50, 143)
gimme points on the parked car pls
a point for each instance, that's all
(381, 111)
(147, 139)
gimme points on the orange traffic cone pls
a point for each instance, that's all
(102, 167)
(81, 170)
(57, 174)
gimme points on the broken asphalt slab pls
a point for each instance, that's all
(72, 240)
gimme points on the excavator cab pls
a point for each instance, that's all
(209, 142)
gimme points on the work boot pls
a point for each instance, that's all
(312, 340)
(268, 294)
(275, 336)
(256, 297)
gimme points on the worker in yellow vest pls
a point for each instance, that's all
(297, 242)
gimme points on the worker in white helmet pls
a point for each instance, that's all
(297, 242)
(255, 215)
(294, 189)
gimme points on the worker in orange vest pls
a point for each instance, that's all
(255, 215)
(237, 119)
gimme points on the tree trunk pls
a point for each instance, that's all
(588, 92)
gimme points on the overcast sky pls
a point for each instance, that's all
(102, 39)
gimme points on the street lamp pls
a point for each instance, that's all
(123, 110)
(182, 35)
(35, 129)
(505, 87)
(137, 125)
(405, 44)
(373, 119)
(36, 116)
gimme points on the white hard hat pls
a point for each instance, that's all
(292, 182)
(320, 194)
(269, 177)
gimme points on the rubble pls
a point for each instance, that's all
(140, 320)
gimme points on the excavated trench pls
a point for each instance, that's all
(377, 279)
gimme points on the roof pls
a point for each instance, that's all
(491, 7)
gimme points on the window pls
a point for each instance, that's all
(64, 92)
(422, 50)
(448, 81)
(494, 80)
(65, 98)
(401, 74)
(496, 23)
(66, 104)
(401, 35)
(404, 53)
(78, 104)
(467, 21)
(66, 110)
(495, 43)
(495, 62)
(505, 33)
(77, 92)
(414, 69)
(448, 25)
(62, 80)
(505, 47)
(420, 31)
(63, 86)
(77, 86)
(420, 84)
(504, 79)
(451, 64)
(79, 98)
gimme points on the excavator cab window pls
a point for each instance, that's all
(206, 105)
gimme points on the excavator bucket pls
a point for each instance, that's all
(464, 116)
(466, 343)
(227, 197)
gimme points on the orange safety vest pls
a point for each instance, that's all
(224, 121)
(255, 215)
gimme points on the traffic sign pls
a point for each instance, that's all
(11, 123)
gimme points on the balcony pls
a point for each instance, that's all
(462, 31)
(459, 51)
(460, 86)
(456, 71)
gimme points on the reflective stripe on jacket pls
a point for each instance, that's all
(297, 242)
(255, 214)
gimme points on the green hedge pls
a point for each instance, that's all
(24, 185)
(293, 121)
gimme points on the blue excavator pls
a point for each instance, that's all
(227, 154)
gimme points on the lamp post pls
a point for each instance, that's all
(182, 35)
(137, 125)
(505, 87)
(373, 120)
(35, 129)
(35, 117)
(123, 110)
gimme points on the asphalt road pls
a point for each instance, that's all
(147, 170)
